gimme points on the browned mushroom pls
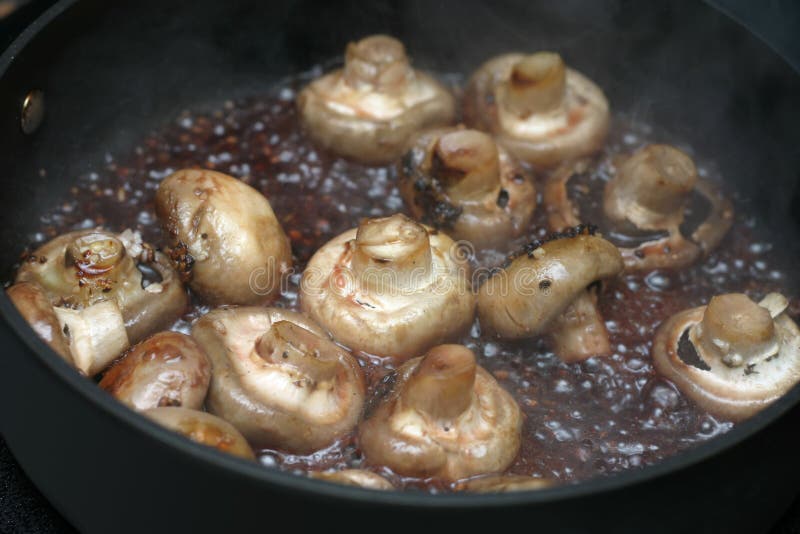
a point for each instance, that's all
(390, 287)
(733, 357)
(106, 289)
(368, 110)
(34, 306)
(462, 182)
(446, 418)
(542, 111)
(550, 288)
(503, 484)
(166, 369)
(278, 379)
(354, 477)
(224, 235)
(203, 428)
(644, 207)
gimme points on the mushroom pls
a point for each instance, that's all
(503, 484)
(550, 287)
(446, 417)
(279, 379)
(645, 206)
(224, 235)
(463, 182)
(203, 428)
(368, 110)
(106, 290)
(542, 111)
(166, 369)
(354, 477)
(733, 357)
(34, 306)
(389, 288)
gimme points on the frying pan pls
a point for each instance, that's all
(110, 71)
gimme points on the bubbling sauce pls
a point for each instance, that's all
(597, 417)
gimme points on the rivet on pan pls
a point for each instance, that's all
(32, 111)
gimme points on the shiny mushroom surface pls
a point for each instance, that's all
(34, 306)
(549, 288)
(446, 417)
(733, 357)
(503, 484)
(461, 181)
(166, 369)
(278, 378)
(390, 288)
(354, 477)
(368, 110)
(106, 289)
(203, 428)
(647, 204)
(542, 111)
(225, 238)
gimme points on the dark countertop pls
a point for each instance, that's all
(24, 510)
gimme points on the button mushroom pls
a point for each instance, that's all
(368, 110)
(542, 111)
(278, 379)
(224, 235)
(503, 484)
(463, 182)
(34, 306)
(645, 206)
(391, 288)
(550, 287)
(203, 428)
(354, 477)
(106, 290)
(446, 417)
(166, 369)
(733, 357)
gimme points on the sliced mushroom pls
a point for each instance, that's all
(81, 269)
(166, 369)
(203, 428)
(542, 111)
(446, 418)
(278, 379)
(34, 306)
(463, 182)
(224, 235)
(550, 288)
(369, 110)
(96, 334)
(354, 477)
(503, 484)
(645, 205)
(391, 288)
(733, 357)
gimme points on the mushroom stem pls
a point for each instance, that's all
(288, 343)
(580, 332)
(467, 163)
(442, 384)
(392, 253)
(651, 188)
(96, 335)
(537, 84)
(378, 62)
(95, 253)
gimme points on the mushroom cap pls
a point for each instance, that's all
(543, 112)
(446, 418)
(748, 362)
(34, 306)
(166, 369)
(224, 235)
(203, 428)
(504, 484)
(390, 288)
(523, 299)
(278, 378)
(354, 477)
(368, 110)
(82, 268)
(461, 181)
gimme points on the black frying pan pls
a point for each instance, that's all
(111, 71)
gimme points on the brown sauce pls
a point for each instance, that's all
(597, 417)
